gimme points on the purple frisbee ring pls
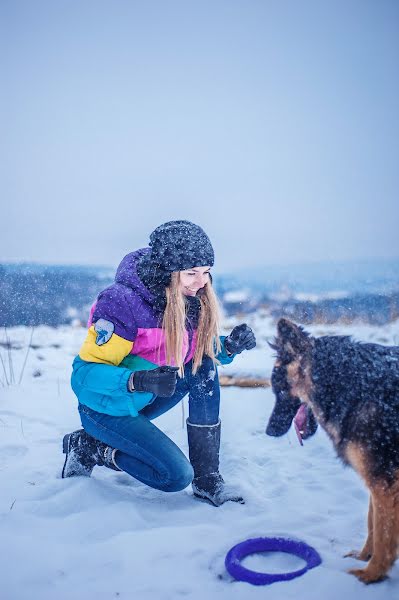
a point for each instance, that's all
(252, 546)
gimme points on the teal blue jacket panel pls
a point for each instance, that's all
(103, 388)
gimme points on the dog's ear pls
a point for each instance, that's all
(291, 338)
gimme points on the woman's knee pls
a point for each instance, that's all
(180, 478)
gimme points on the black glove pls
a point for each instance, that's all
(160, 381)
(241, 338)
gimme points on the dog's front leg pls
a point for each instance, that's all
(384, 539)
(367, 550)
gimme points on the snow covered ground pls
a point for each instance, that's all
(110, 537)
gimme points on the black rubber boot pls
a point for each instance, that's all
(83, 452)
(203, 446)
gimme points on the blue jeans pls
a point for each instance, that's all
(143, 450)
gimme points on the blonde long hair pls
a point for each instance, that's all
(173, 325)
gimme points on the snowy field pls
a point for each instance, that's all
(110, 537)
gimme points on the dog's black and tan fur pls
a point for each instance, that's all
(352, 389)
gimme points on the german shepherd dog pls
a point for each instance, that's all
(352, 389)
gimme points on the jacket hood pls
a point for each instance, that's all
(126, 273)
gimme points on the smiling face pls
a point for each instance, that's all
(192, 280)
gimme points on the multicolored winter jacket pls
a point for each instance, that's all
(124, 335)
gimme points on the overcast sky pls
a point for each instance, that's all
(273, 124)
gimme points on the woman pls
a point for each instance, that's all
(152, 339)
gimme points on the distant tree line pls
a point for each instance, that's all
(51, 296)
(374, 309)
(36, 295)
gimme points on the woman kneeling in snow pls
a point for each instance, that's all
(153, 338)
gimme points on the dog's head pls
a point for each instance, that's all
(291, 379)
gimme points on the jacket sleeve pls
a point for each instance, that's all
(97, 379)
(113, 330)
(103, 388)
(223, 357)
(102, 378)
